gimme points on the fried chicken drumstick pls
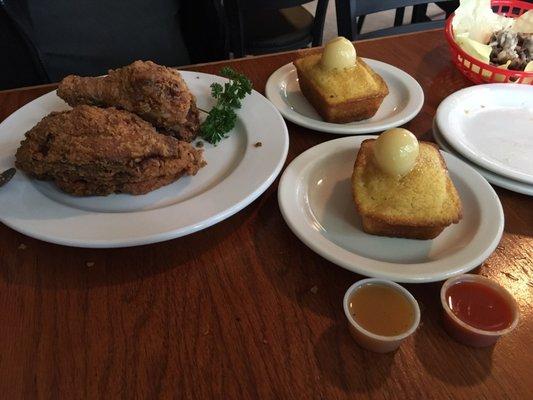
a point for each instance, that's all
(99, 151)
(155, 93)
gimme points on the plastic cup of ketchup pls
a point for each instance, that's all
(477, 311)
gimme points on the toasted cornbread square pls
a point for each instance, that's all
(341, 96)
(419, 205)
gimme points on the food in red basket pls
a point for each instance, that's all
(494, 39)
(511, 48)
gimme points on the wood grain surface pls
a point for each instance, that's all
(244, 310)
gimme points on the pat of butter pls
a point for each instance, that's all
(396, 151)
(339, 53)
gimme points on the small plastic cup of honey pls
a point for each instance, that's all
(477, 311)
(381, 314)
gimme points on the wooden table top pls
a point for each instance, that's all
(244, 309)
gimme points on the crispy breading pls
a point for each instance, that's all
(157, 94)
(98, 151)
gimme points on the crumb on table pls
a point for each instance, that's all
(258, 144)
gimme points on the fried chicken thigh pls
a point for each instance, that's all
(155, 93)
(99, 151)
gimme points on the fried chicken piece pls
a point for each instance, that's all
(98, 151)
(155, 93)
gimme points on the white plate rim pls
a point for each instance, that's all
(444, 109)
(495, 179)
(289, 208)
(415, 104)
(235, 202)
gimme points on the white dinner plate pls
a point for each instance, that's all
(404, 101)
(495, 179)
(237, 172)
(492, 125)
(316, 201)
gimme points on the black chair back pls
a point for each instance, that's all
(348, 12)
(87, 37)
(234, 10)
(251, 5)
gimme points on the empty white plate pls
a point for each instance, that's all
(492, 125)
(404, 101)
(495, 179)
(316, 201)
(237, 172)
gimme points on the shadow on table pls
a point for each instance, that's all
(441, 82)
(427, 135)
(27, 261)
(518, 212)
(348, 366)
(297, 272)
(453, 363)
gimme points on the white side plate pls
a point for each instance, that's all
(404, 101)
(495, 179)
(316, 201)
(237, 172)
(492, 125)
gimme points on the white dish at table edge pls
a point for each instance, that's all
(501, 181)
(491, 125)
(401, 86)
(236, 174)
(483, 219)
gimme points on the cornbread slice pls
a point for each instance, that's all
(340, 96)
(418, 206)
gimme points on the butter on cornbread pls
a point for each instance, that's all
(341, 95)
(419, 205)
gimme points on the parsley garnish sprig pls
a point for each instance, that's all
(222, 118)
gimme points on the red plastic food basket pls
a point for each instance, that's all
(476, 70)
